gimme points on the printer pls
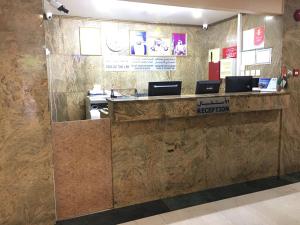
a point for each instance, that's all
(96, 101)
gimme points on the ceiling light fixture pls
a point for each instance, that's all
(197, 13)
(268, 18)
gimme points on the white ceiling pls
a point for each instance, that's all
(131, 11)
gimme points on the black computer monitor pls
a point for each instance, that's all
(238, 84)
(255, 82)
(164, 88)
(208, 87)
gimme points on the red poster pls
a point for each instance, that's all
(230, 52)
(259, 36)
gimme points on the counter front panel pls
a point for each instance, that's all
(161, 147)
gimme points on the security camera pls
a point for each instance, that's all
(48, 15)
(59, 6)
(205, 26)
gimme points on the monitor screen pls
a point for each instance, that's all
(207, 87)
(164, 88)
(255, 82)
(238, 84)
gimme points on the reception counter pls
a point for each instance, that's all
(167, 146)
(158, 147)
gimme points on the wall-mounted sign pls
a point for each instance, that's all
(230, 52)
(254, 38)
(127, 63)
(213, 105)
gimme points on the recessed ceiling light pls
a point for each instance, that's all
(197, 13)
(268, 18)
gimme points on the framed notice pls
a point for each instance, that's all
(90, 41)
(264, 56)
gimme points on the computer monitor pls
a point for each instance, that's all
(238, 84)
(164, 88)
(208, 87)
(255, 82)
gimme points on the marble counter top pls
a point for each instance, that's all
(166, 107)
(176, 97)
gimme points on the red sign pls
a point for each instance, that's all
(230, 52)
(259, 36)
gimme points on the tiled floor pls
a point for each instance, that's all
(278, 206)
(272, 200)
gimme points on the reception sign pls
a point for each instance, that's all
(129, 63)
(213, 105)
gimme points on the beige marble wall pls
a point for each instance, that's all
(72, 75)
(291, 116)
(273, 39)
(26, 176)
(181, 152)
(184, 155)
(82, 167)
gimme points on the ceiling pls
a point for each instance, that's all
(143, 12)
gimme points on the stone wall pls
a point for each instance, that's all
(26, 174)
(291, 116)
(72, 75)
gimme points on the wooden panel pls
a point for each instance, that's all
(245, 6)
(82, 167)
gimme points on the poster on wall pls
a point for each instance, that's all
(130, 63)
(115, 39)
(230, 52)
(138, 43)
(227, 67)
(179, 44)
(214, 55)
(90, 41)
(254, 38)
(158, 46)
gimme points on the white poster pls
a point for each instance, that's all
(248, 58)
(254, 38)
(90, 41)
(214, 55)
(129, 63)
